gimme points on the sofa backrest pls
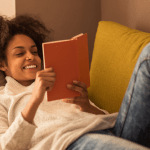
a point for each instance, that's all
(116, 50)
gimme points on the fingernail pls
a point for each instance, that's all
(69, 86)
(74, 81)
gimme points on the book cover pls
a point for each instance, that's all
(70, 61)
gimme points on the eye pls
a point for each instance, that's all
(35, 52)
(19, 54)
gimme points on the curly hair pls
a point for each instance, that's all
(26, 24)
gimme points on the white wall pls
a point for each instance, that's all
(8, 8)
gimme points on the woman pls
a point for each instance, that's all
(27, 120)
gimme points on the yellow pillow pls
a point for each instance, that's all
(116, 50)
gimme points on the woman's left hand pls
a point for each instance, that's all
(82, 101)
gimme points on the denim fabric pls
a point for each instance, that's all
(103, 140)
(133, 121)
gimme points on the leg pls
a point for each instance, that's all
(133, 121)
(90, 141)
(102, 140)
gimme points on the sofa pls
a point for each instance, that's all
(116, 50)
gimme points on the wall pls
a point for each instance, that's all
(132, 13)
(66, 17)
(7, 8)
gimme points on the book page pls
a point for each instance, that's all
(65, 40)
(76, 36)
(56, 41)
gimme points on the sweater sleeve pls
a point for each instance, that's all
(18, 135)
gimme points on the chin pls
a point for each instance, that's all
(32, 78)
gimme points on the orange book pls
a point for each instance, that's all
(70, 61)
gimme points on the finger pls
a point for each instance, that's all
(78, 89)
(81, 102)
(48, 85)
(80, 84)
(70, 100)
(48, 79)
(46, 74)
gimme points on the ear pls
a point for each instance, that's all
(3, 66)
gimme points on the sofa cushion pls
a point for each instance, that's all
(116, 50)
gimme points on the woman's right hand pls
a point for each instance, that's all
(44, 81)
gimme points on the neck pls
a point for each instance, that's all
(26, 83)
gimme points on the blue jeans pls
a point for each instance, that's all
(133, 121)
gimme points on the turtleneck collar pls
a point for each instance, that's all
(13, 87)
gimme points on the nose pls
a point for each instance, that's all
(29, 56)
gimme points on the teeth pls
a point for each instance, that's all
(32, 66)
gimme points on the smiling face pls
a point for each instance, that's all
(22, 58)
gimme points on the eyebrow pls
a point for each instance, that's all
(23, 47)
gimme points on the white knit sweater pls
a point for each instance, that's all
(56, 124)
